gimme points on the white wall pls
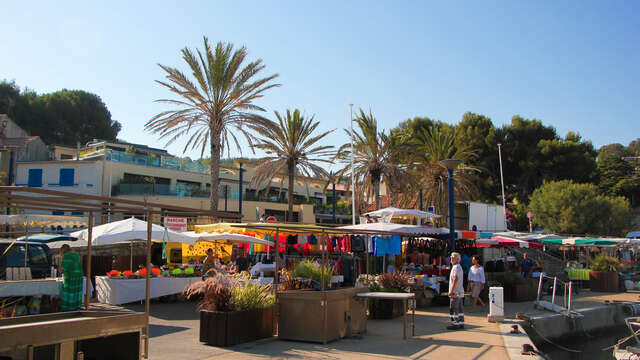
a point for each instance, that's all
(88, 175)
(487, 217)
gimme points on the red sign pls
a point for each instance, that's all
(529, 214)
(176, 223)
(272, 219)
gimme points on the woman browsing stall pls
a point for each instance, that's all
(476, 282)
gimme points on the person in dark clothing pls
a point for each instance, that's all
(526, 266)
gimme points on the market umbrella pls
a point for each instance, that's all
(127, 230)
(237, 238)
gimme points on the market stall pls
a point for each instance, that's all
(117, 291)
(99, 335)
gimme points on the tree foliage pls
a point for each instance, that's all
(63, 117)
(571, 208)
(291, 148)
(218, 99)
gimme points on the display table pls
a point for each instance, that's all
(49, 286)
(122, 291)
(396, 296)
(579, 274)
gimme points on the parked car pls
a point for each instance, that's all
(38, 257)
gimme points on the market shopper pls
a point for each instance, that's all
(476, 282)
(71, 279)
(456, 293)
(526, 266)
(210, 262)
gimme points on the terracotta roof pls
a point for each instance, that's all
(16, 143)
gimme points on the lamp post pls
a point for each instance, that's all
(451, 164)
(353, 181)
(333, 196)
(240, 190)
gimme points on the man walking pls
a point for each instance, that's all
(456, 294)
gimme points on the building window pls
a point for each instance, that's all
(57, 213)
(35, 178)
(67, 177)
(66, 157)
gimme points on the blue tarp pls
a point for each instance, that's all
(634, 234)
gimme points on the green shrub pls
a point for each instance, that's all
(605, 263)
(307, 269)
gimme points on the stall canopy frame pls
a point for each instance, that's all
(15, 199)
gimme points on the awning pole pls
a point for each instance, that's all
(89, 243)
(277, 245)
(366, 247)
(325, 305)
(147, 280)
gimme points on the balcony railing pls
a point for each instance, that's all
(164, 162)
(169, 190)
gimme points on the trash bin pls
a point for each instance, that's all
(496, 304)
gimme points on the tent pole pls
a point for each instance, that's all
(366, 250)
(147, 279)
(277, 245)
(325, 259)
(89, 243)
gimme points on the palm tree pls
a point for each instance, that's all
(291, 148)
(219, 99)
(429, 146)
(374, 155)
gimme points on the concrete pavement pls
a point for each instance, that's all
(175, 327)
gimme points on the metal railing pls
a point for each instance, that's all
(567, 287)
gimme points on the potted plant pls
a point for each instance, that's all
(604, 273)
(233, 310)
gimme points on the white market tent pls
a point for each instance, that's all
(387, 213)
(237, 238)
(396, 228)
(122, 231)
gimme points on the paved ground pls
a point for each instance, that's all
(175, 326)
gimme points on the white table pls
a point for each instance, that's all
(396, 296)
(48, 286)
(123, 291)
(260, 267)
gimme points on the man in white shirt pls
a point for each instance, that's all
(456, 293)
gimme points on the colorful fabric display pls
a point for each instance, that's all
(313, 240)
(302, 239)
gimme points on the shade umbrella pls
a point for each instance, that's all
(396, 228)
(234, 238)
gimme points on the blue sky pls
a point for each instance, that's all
(572, 64)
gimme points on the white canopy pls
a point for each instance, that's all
(123, 230)
(39, 220)
(226, 237)
(397, 228)
(387, 213)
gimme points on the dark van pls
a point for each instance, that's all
(38, 258)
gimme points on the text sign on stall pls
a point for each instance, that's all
(272, 219)
(178, 224)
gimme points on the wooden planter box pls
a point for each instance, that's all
(301, 315)
(236, 327)
(606, 281)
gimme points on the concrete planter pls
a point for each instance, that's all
(606, 281)
(229, 328)
(302, 314)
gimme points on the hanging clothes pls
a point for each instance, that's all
(357, 244)
(395, 245)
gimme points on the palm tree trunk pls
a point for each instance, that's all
(375, 180)
(215, 169)
(291, 171)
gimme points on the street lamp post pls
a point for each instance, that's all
(353, 181)
(451, 164)
(333, 197)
